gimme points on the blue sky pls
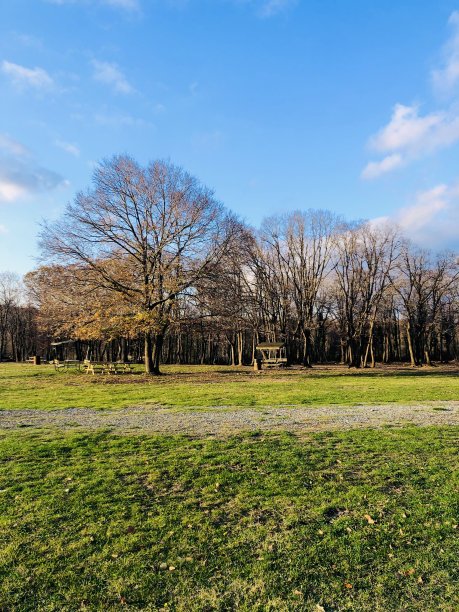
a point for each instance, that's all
(276, 104)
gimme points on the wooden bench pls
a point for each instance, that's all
(59, 366)
(67, 364)
(93, 367)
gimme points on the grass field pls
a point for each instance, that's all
(361, 520)
(25, 386)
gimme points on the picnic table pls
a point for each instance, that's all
(100, 367)
(66, 364)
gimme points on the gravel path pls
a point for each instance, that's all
(221, 421)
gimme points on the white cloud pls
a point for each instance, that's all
(127, 5)
(12, 146)
(447, 77)
(3, 229)
(273, 7)
(20, 175)
(428, 205)
(109, 74)
(31, 77)
(67, 146)
(375, 169)
(120, 119)
(405, 129)
(409, 135)
(432, 220)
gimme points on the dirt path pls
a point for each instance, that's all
(222, 421)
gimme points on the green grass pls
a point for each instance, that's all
(41, 388)
(359, 520)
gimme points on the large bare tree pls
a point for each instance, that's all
(145, 236)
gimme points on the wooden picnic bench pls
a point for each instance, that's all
(98, 367)
(67, 364)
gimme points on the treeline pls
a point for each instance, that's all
(19, 333)
(148, 265)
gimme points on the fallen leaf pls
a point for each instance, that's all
(420, 580)
(130, 529)
(411, 572)
(123, 600)
(348, 529)
(319, 608)
(295, 592)
(401, 531)
(115, 556)
(369, 519)
(347, 585)
(171, 568)
(320, 532)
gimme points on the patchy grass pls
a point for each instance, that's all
(361, 520)
(41, 388)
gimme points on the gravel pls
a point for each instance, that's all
(222, 421)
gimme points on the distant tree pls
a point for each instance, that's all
(423, 283)
(364, 258)
(10, 297)
(301, 245)
(139, 238)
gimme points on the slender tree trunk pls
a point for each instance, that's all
(410, 344)
(307, 348)
(157, 350)
(148, 354)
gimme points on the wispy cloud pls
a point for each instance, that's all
(12, 146)
(446, 78)
(432, 219)
(20, 175)
(269, 8)
(68, 147)
(410, 135)
(375, 169)
(116, 119)
(3, 229)
(110, 74)
(126, 5)
(21, 76)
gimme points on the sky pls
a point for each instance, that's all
(277, 105)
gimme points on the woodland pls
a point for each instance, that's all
(147, 266)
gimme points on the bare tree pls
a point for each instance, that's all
(365, 256)
(302, 247)
(145, 235)
(422, 283)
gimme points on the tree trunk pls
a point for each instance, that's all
(307, 348)
(147, 354)
(410, 344)
(157, 349)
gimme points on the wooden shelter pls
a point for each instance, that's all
(273, 353)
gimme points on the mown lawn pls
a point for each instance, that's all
(41, 388)
(358, 520)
